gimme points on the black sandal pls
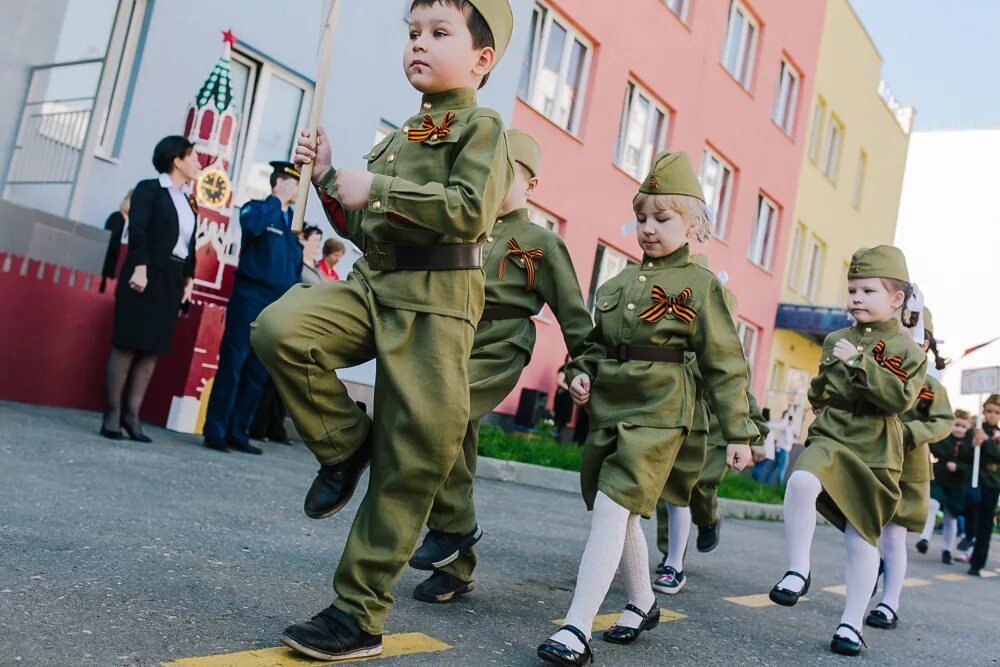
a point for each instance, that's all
(785, 597)
(558, 653)
(845, 646)
(879, 619)
(620, 634)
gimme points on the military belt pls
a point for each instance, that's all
(492, 313)
(859, 408)
(668, 355)
(391, 256)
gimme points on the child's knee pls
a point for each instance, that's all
(803, 485)
(270, 333)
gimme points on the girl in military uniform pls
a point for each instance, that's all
(643, 399)
(850, 468)
(951, 478)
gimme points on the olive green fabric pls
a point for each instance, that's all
(525, 150)
(858, 460)
(914, 504)
(928, 321)
(929, 420)
(500, 18)
(884, 261)
(686, 471)
(672, 174)
(442, 190)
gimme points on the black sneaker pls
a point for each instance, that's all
(335, 484)
(218, 444)
(922, 546)
(670, 582)
(439, 549)
(332, 635)
(441, 587)
(708, 536)
(946, 557)
(965, 544)
(663, 565)
(246, 448)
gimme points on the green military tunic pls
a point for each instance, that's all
(928, 421)
(527, 267)
(439, 180)
(949, 488)
(858, 459)
(641, 410)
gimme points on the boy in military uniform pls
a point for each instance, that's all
(952, 466)
(849, 471)
(527, 267)
(929, 420)
(643, 398)
(421, 210)
(270, 263)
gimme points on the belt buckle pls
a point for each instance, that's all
(381, 255)
(623, 352)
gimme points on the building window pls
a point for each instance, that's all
(814, 269)
(842, 288)
(717, 180)
(748, 334)
(819, 118)
(795, 266)
(831, 148)
(787, 98)
(764, 231)
(608, 263)
(777, 372)
(555, 72)
(119, 63)
(678, 7)
(741, 44)
(642, 133)
(543, 219)
(859, 179)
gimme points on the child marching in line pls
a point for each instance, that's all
(987, 439)
(951, 478)
(642, 399)
(929, 420)
(850, 468)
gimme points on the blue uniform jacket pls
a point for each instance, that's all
(271, 255)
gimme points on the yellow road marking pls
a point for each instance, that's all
(406, 643)
(605, 621)
(915, 582)
(755, 601)
(837, 590)
(951, 577)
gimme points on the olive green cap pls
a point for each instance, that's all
(524, 149)
(884, 261)
(672, 174)
(500, 18)
(928, 321)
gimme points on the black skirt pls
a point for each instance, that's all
(145, 322)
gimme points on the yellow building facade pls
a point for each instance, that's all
(848, 197)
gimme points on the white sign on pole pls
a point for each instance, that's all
(981, 380)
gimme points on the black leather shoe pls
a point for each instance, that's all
(442, 587)
(946, 557)
(785, 597)
(331, 635)
(111, 435)
(136, 434)
(878, 618)
(845, 646)
(557, 653)
(218, 444)
(335, 484)
(966, 544)
(974, 572)
(922, 546)
(708, 536)
(439, 549)
(619, 634)
(246, 448)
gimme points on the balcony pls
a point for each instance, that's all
(813, 322)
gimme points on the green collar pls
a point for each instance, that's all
(516, 217)
(679, 257)
(449, 100)
(887, 327)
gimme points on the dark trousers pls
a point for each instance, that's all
(972, 498)
(269, 422)
(984, 526)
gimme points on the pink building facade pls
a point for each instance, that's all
(605, 85)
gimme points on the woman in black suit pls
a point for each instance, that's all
(156, 279)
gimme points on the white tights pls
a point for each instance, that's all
(892, 544)
(932, 509)
(680, 530)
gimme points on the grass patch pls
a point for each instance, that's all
(744, 487)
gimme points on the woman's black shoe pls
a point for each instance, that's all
(558, 653)
(111, 435)
(620, 634)
(785, 597)
(136, 434)
(332, 635)
(845, 646)
(879, 619)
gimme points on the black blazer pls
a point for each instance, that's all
(153, 228)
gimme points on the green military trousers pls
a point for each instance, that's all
(494, 370)
(421, 411)
(683, 479)
(705, 496)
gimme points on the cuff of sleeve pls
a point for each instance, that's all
(860, 367)
(378, 199)
(328, 184)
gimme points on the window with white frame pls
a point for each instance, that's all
(832, 147)
(608, 263)
(554, 76)
(765, 228)
(816, 131)
(543, 219)
(717, 181)
(798, 247)
(678, 7)
(740, 47)
(748, 334)
(642, 133)
(815, 257)
(787, 98)
(119, 64)
(859, 179)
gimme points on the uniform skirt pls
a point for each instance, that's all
(913, 505)
(686, 470)
(145, 322)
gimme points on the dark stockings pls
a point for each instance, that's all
(127, 379)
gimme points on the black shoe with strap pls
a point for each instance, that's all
(708, 536)
(786, 597)
(621, 634)
(439, 549)
(440, 587)
(557, 653)
(878, 618)
(845, 645)
(332, 635)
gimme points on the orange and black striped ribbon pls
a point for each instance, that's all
(664, 304)
(193, 203)
(529, 257)
(926, 394)
(892, 364)
(428, 130)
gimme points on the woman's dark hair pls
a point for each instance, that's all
(482, 36)
(939, 361)
(309, 231)
(169, 148)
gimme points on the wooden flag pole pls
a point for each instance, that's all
(316, 112)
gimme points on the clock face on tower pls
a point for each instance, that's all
(213, 188)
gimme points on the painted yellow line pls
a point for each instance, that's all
(837, 590)
(407, 643)
(951, 577)
(604, 621)
(755, 601)
(915, 582)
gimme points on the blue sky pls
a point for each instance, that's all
(940, 56)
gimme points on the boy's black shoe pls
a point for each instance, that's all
(441, 587)
(439, 549)
(974, 572)
(946, 557)
(922, 546)
(332, 635)
(335, 484)
(218, 444)
(708, 536)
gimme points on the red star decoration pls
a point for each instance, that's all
(228, 37)
(653, 183)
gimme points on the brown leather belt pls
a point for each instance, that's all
(667, 355)
(493, 313)
(858, 408)
(390, 256)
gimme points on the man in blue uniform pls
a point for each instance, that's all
(270, 263)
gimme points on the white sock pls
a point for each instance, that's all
(860, 577)
(932, 510)
(634, 569)
(893, 543)
(597, 568)
(949, 532)
(800, 523)
(680, 530)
